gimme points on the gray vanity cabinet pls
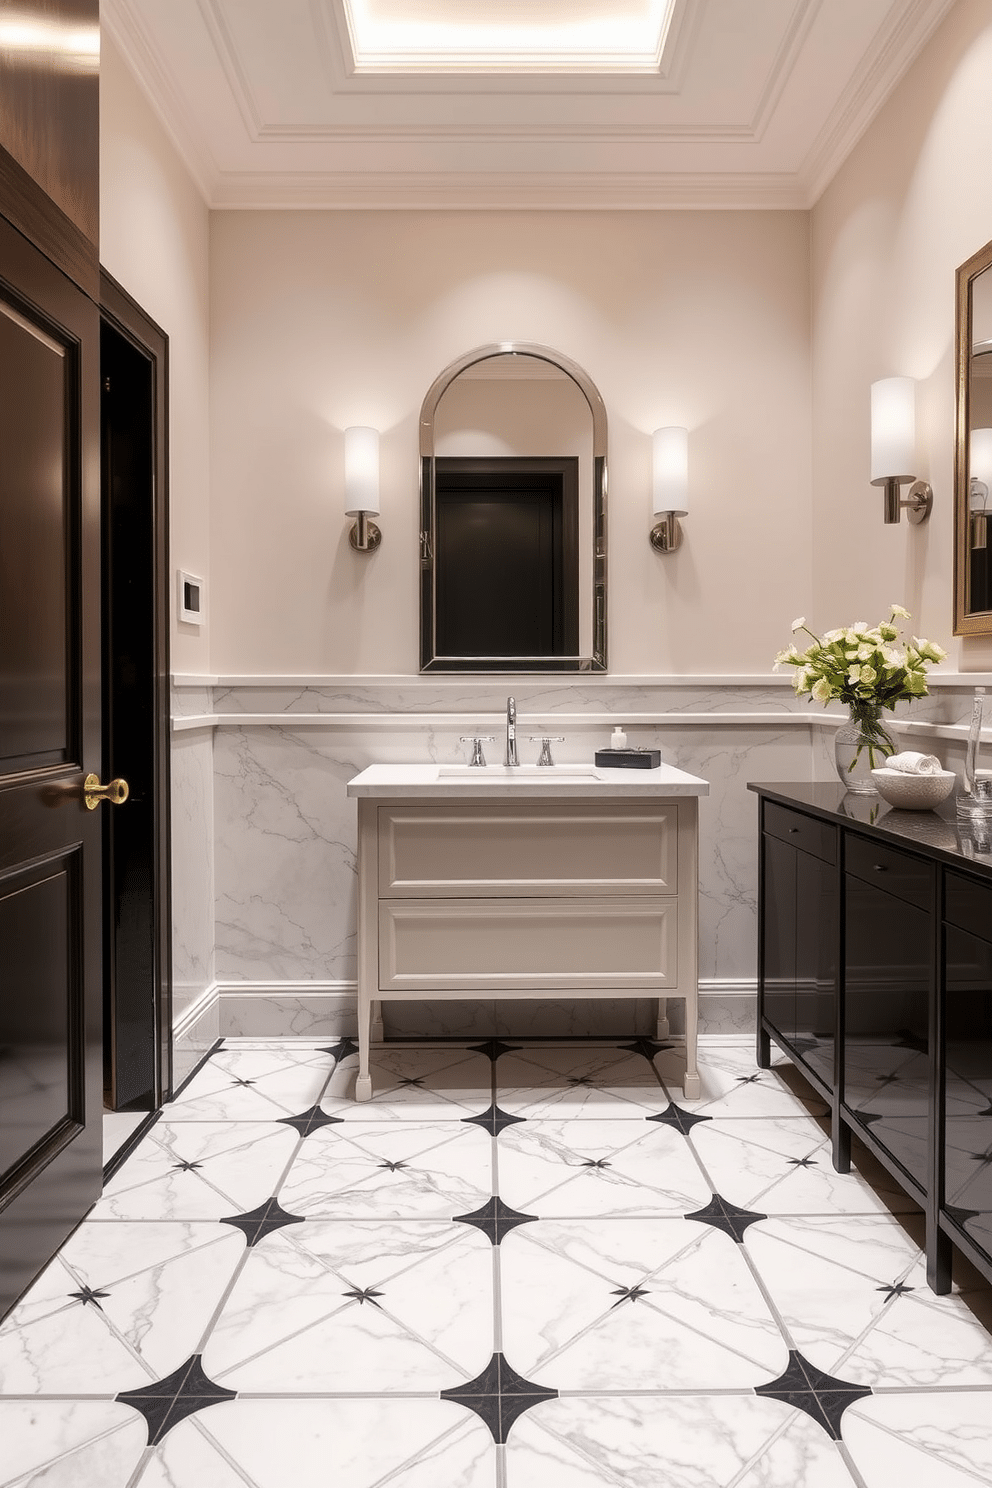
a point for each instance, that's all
(875, 978)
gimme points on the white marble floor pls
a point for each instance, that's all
(517, 1267)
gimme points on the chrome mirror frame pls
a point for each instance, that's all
(429, 659)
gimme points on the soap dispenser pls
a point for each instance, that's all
(618, 739)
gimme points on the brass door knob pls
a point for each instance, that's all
(93, 792)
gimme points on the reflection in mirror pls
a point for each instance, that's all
(513, 498)
(973, 466)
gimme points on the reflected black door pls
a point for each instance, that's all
(968, 1090)
(50, 847)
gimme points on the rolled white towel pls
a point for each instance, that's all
(911, 763)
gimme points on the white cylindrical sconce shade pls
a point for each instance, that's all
(361, 472)
(670, 471)
(980, 456)
(893, 430)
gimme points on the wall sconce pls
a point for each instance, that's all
(980, 479)
(893, 449)
(669, 487)
(361, 487)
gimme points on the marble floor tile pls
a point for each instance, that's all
(583, 1080)
(921, 1440)
(852, 1292)
(68, 1443)
(679, 1442)
(783, 1165)
(121, 1304)
(373, 1307)
(198, 1170)
(733, 1085)
(251, 1085)
(412, 1083)
(613, 1305)
(357, 1443)
(390, 1170)
(582, 1167)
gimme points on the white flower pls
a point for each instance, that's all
(898, 610)
(833, 635)
(798, 624)
(854, 674)
(868, 676)
(864, 653)
(821, 690)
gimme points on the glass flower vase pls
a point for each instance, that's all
(864, 743)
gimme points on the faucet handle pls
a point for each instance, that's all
(476, 741)
(546, 741)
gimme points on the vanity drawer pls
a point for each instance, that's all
(494, 850)
(968, 904)
(805, 832)
(887, 868)
(519, 946)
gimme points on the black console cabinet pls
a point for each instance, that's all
(875, 978)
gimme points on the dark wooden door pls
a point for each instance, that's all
(50, 844)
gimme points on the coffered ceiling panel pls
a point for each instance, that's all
(564, 103)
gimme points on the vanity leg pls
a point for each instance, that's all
(363, 1082)
(662, 1031)
(691, 1088)
(377, 1032)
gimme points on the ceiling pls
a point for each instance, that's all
(585, 104)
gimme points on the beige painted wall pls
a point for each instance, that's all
(154, 236)
(912, 202)
(321, 320)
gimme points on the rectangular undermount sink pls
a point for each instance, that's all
(479, 774)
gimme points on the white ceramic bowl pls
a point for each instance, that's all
(913, 792)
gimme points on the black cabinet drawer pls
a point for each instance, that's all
(968, 904)
(887, 868)
(806, 832)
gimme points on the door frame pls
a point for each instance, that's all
(128, 319)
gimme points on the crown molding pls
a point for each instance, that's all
(128, 33)
(507, 191)
(896, 47)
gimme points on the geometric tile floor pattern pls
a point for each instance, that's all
(519, 1266)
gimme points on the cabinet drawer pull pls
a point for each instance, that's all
(793, 831)
(880, 868)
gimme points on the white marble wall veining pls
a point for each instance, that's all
(264, 844)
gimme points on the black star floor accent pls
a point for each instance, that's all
(393, 1167)
(244, 1082)
(647, 1047)
(674, 1115)
(595, 1162)
(629, 1294)
(820, 1395)
(87, 1294)
(801, 1162)
(895, 1289)
(493, 1120)
(725, 1216)
(258, 1223)
(748, 1079)
(169, 1401)
(499, 1396)
(360, 1295)
(495, 1219)
(307, 1122)
(186, 1167)
(340, 1050)
(493, 1048)
(960, 1216)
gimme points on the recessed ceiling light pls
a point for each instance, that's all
(543, 36)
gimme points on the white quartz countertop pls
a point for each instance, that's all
(566, 782)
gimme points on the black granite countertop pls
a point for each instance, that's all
(936, 834)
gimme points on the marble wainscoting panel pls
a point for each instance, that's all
(285, 854)
(288, 1009)
(192, 869)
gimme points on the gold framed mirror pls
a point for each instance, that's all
(973, 448)
(513, 515)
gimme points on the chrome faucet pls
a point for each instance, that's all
(511, 758)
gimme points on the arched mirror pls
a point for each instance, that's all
(973, 454)
(513, 515)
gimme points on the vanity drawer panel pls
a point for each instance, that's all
(887, 868)
(490, 850)
(968, 904)
(519, 946)
(806, 832)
